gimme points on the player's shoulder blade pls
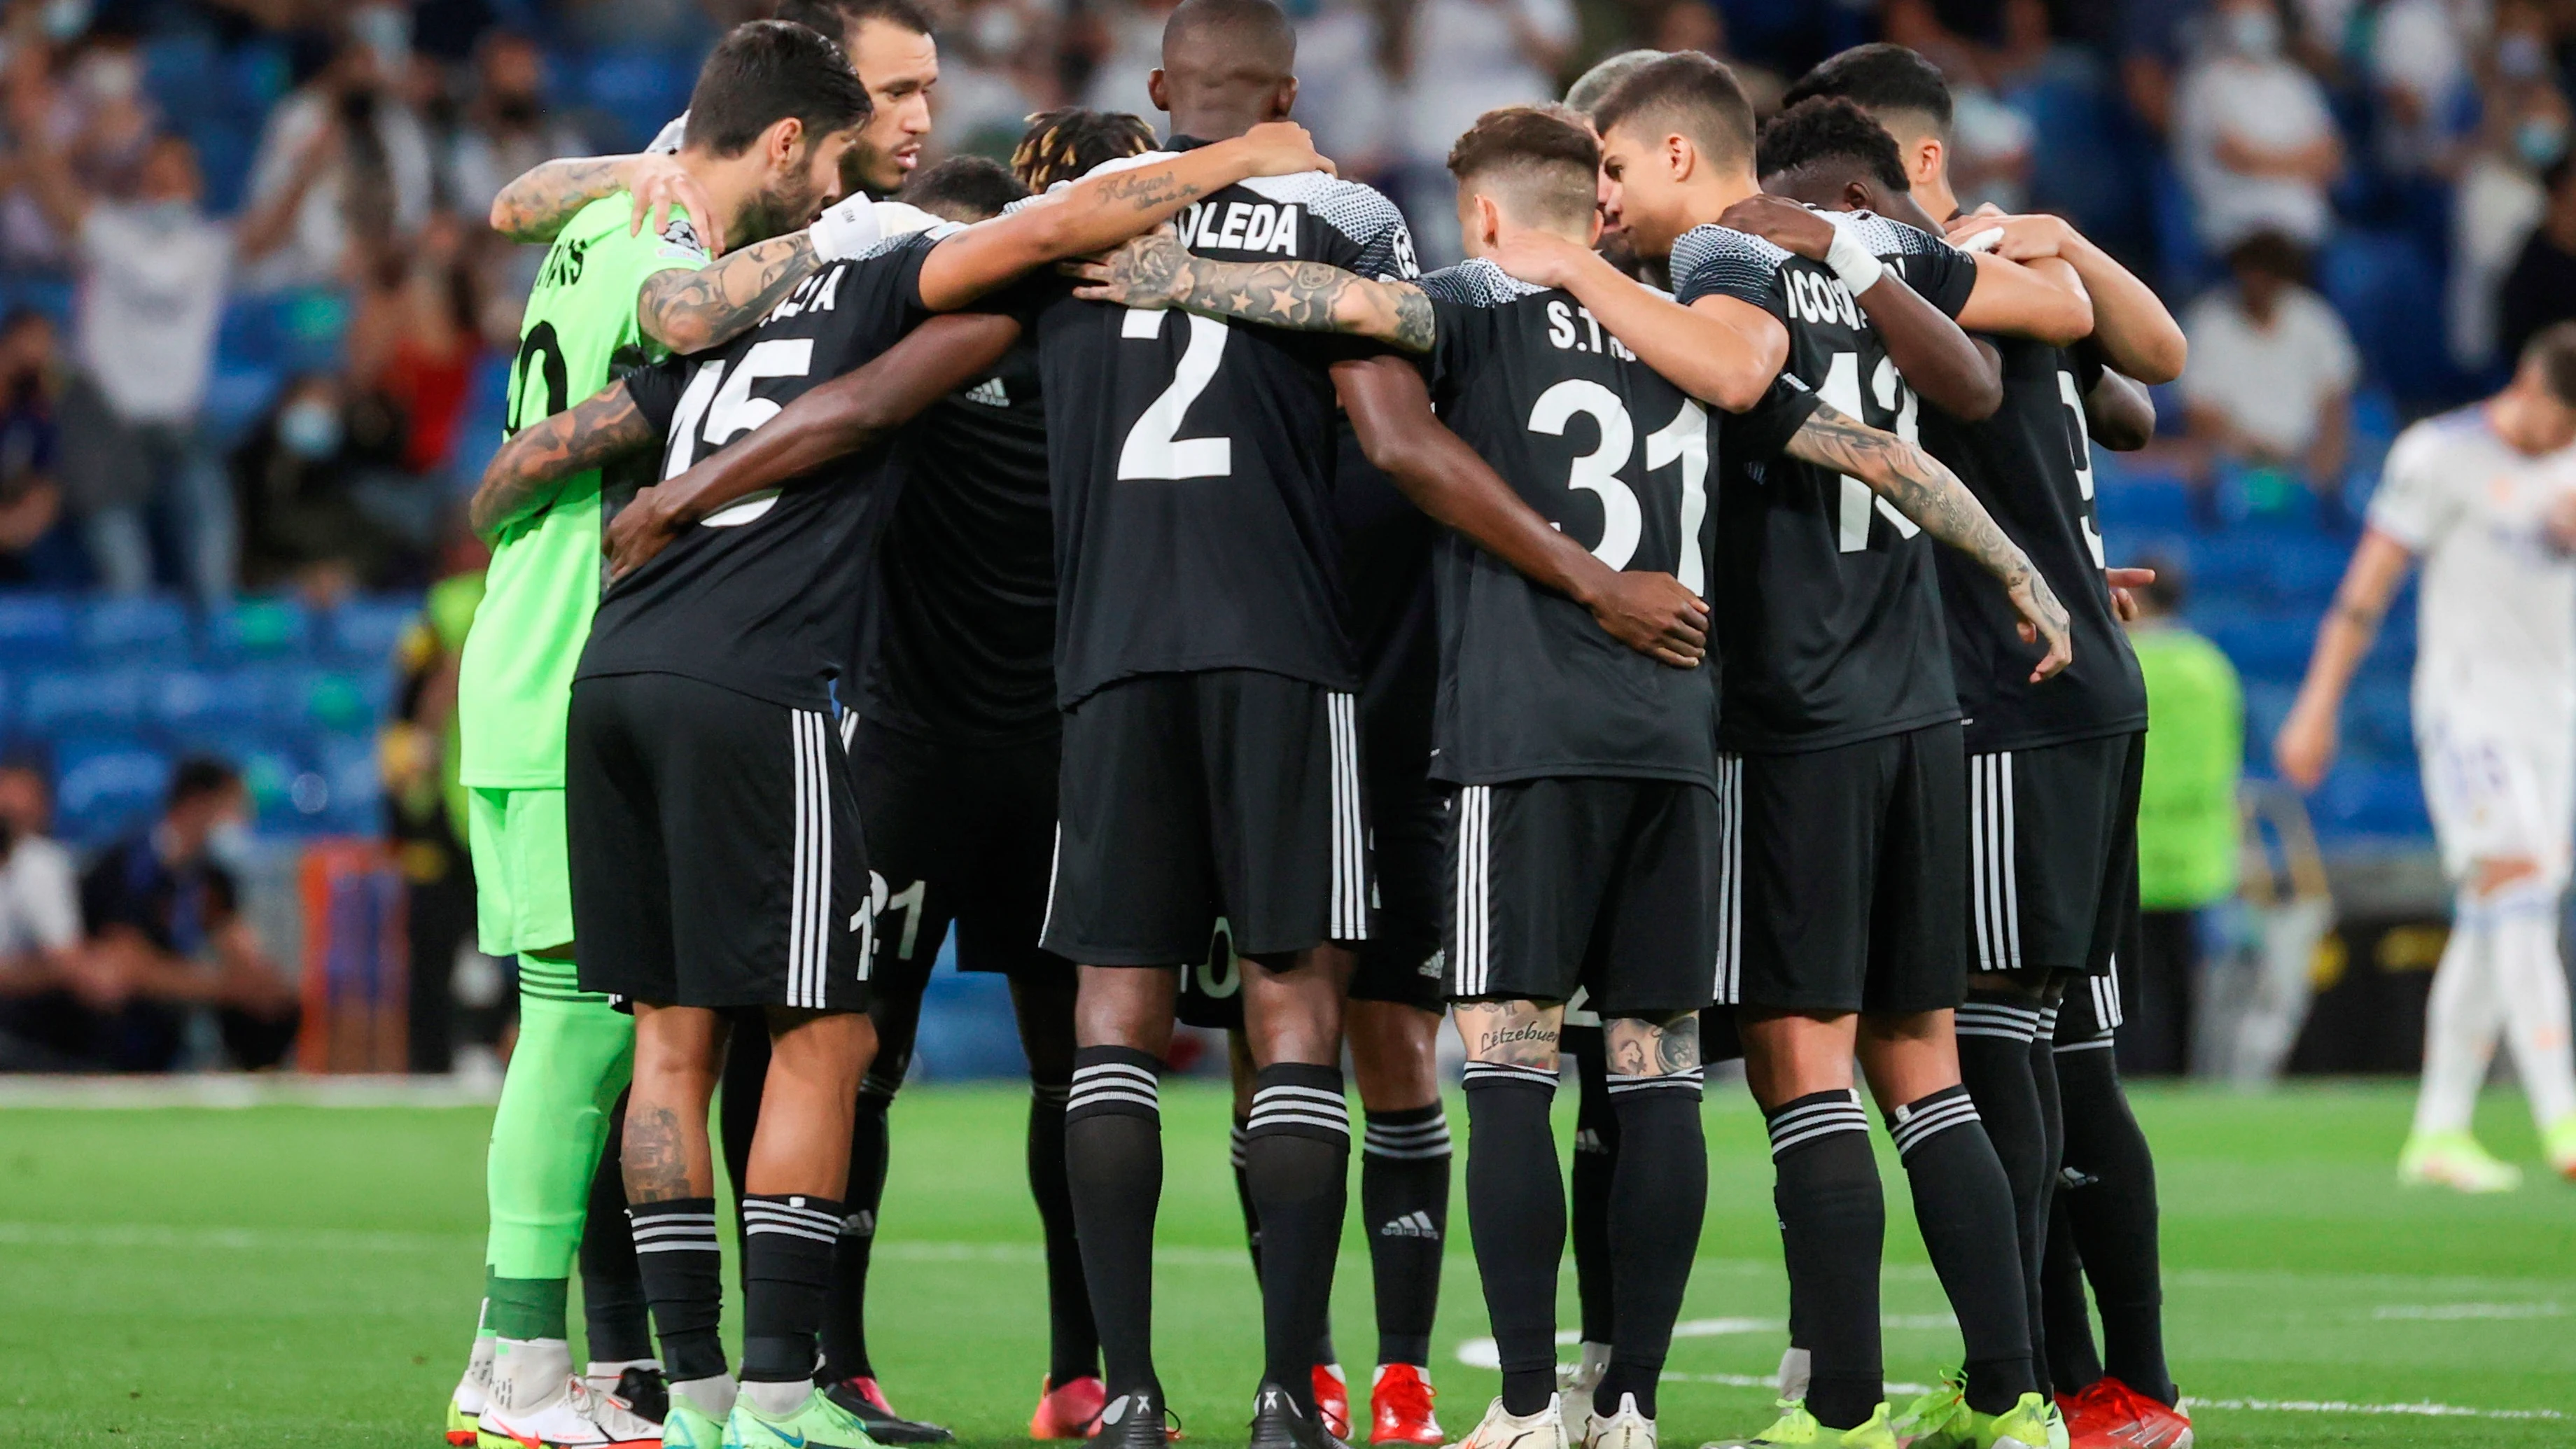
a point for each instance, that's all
(1348, 223)
(1476, 283)
(1714, 260)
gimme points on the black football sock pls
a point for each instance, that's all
(1995, 1034)
(1404, 1204)
(613, 1306)
(1296, 1163)
(1243, 1194)
(2052, 1122)
(1073, 1340)
(1516, 1217)
(845, 1307)
(787, 1247)
(1964, 1206)
(2073, 1362)
(1657, 1198)
(1113, 1153)
(1596, 1154)
(683, 1268)
(2114, 1217)
(1833, 1229)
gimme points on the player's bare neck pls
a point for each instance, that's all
(1711, 196)
(729, 182)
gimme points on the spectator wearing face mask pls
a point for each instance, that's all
(302, 477)
(2501, 196)
(2253, 137)
(154, 272)
(379, 182)
(506, 129)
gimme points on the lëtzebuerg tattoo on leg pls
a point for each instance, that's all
(1512, 1033)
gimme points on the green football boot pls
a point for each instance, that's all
(2558, 1144)
(1938, 1417)
(686, 1426)
(818, 1423)
(2454, 1160)
(1798, 1429)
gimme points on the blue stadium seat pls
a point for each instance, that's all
(236, 396)
(2147, 501)
(64, 702)
(36, 629)
(2383, 282)
(258, 629)
(2359, 799)
(188, 702)
(133, 631)
(2265, 646)
(362, 633)
(2379, 722)
(354, 803)
(638, 89)
(340, 699)
(270, 764)
(105, 786)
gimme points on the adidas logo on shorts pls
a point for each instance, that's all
(1435, 965)
(1415, 1224)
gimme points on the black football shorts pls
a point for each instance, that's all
(1844, 881)
(958, 833)
(1401, 961)
(1186, 798)
(1591, 883)
(2053, 856)
(717, 859)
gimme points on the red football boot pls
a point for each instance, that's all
(2111, 1415)
(1333, 1400)
(1400, 1407)
(1068, 1410)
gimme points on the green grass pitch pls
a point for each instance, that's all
(290, 1276)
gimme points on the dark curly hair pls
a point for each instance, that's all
(1829, 128)
(1063, 144)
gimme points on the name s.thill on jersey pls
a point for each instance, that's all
(1563, 333)
(1241, 226)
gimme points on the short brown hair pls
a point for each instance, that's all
(2554, 348)
(1540, 161)
(1690, 95)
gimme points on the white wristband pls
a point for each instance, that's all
(1851, 258)
(846, 229)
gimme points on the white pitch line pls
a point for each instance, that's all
(2338, 1406)
(2453, 1312)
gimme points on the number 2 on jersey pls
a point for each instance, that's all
(1154, 447)
(1684, 440)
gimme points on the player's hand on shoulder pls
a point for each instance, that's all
(1655, 615)
(1283, 148)
(2016, 238)
(657, 183)
(1540, 259)
(1783, 223)
(641, 529)
(1144, 271)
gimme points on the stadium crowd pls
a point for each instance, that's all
(256, 326)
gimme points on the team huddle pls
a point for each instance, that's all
(1677, 632)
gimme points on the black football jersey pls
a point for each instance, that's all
(961, 629)
(2031, 465)
(1828, 612)
(1387, 545)
(1193, 458)
(1618, 459)
(763, 596)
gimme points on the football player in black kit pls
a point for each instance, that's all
(718, 870)
(1211, 740)
(1844, 770)
(2052, 771)
(1518, 1210)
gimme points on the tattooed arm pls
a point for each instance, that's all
(691, 311)
(535, 207)
(1155, 271)
(1103, 210)
(523, 476)
(1931, 495)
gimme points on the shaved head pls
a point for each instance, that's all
(1228, 65)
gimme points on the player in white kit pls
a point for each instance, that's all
(2485, 498)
